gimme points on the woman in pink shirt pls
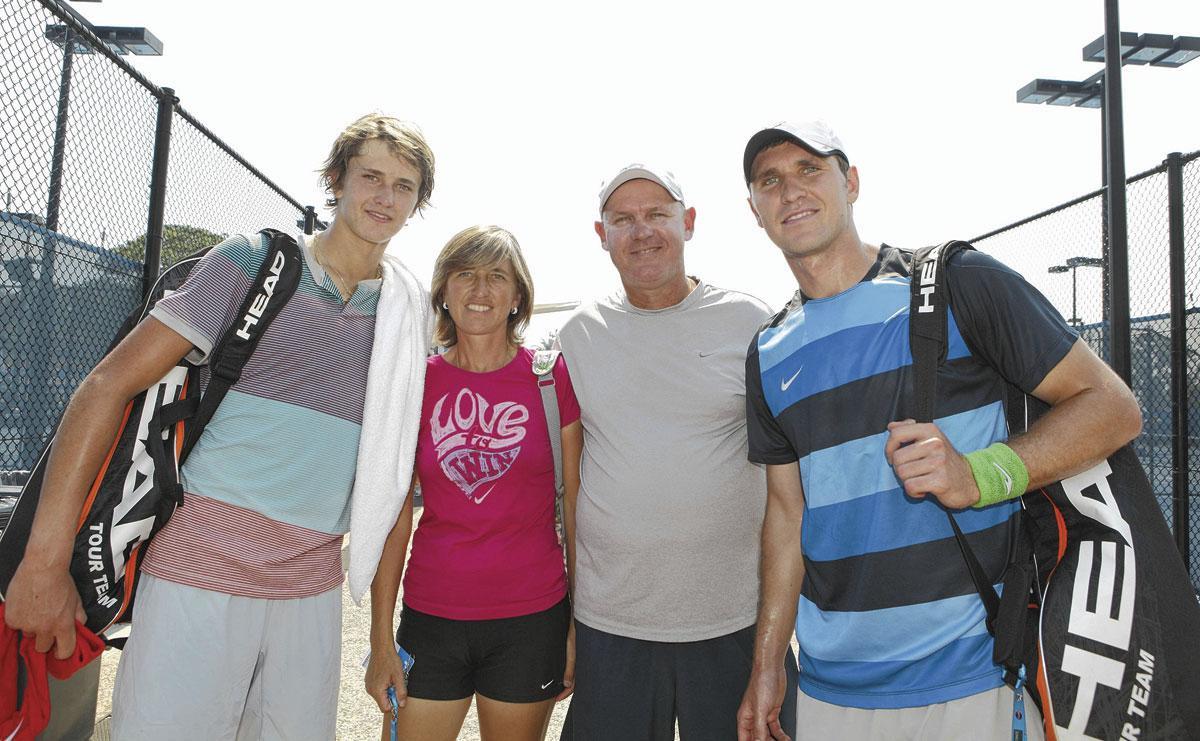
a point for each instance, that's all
(485, 612)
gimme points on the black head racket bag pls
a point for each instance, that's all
(1097, 605)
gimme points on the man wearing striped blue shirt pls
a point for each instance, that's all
(856, 548)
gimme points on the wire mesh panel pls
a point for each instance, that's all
(200, 180)
(61, 300)
(1191, 289)
(1150, 328)
(76, 153)
(76, 140)
(94, 187)
(1059, 252)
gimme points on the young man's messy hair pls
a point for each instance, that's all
(404, 140)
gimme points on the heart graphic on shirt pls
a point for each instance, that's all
(470, 469)
(476, 442)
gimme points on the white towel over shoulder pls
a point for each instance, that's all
(391, 419)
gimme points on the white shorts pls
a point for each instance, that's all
(987, 716)
(206, 665)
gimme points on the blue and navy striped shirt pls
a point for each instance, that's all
(888, 616)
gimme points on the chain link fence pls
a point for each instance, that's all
(81, 139)
(1061, 251)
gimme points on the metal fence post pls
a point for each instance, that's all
(1105, 246)
(60, 132)
(1180, 467)
(158, 189)
(1118, 256)
(310, 220)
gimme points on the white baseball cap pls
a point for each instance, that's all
(815, 136)
(639, 171)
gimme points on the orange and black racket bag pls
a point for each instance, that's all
(138, 487)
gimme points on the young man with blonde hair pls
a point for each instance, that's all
(238, 624)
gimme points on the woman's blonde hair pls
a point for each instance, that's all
(480, 247)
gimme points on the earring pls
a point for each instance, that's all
(514, 311)
(445, 307)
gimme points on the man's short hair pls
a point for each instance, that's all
(404, 140)
(814, 136)
(842, 162)
(480, 247)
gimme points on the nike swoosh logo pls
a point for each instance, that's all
(479, 500)
(1008, 481)
(784, 386)
(706, 354)
(547, 684)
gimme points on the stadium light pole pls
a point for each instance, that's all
(120, 40)
(1073, 264)
(1103, 90)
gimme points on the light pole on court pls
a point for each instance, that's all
(1103, 90)
(1073, 264)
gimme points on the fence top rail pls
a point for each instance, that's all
(1085, 197)
(237, 157)
(1040, 215)
(71, 19)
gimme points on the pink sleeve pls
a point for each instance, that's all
(568, 405)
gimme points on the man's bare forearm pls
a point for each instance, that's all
(782, 565)
(385, 587)
(1093, 413)
(87, 431)
(81, 444)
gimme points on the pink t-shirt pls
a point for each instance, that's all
(485, 546)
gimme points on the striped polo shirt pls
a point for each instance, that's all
(268, 482)
(888, 615)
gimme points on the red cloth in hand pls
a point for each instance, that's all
(25, 712)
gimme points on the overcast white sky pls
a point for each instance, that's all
(529, 106)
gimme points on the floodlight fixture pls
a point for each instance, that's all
(120, 39)
(1035, 93)
(1049, 91)
(1060, 92)
(1094, 52)
(1072, 97)
(1186, 49)
(1072, 264)
(1151, 46)
(1154, 49)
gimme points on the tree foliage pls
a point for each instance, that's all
(179, 241)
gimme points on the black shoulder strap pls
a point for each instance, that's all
(928, 333)
(927, 321)
(275, 283)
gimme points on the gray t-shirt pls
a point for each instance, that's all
(670, 510)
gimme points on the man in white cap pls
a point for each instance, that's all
(667, 519)
(893, 642)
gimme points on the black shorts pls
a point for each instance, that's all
(518, 659)
(627, 688)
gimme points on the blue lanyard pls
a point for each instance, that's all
(1018, 727)
(395, 710)
(406, 661)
